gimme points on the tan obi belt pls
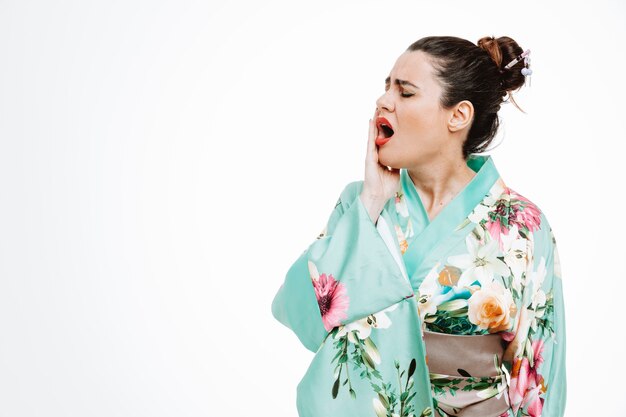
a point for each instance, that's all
(466, 375)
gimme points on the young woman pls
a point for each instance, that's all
(434, 289)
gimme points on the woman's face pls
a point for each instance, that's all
(411, 105)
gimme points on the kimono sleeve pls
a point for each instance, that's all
(346, 273)
(538, 383)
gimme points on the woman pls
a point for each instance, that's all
(434, 289)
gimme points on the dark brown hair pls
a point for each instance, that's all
(475, 72)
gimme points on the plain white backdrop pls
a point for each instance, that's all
(162, 164)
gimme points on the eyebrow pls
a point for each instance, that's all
(400, 82)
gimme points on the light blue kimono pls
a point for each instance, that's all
(462, 315)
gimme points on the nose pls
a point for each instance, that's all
(384, 102)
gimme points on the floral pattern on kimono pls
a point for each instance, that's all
(352, 301)
(497, 286)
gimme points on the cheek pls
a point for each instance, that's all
(420, 118)
(422, 126)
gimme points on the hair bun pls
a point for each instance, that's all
(490, 44)
(503, 50)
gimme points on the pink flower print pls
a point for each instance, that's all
(526, 384)
(508, 336)
(535, 403)
(495, 228)
(538, 350)
(527, 214)
(519, 382)
(332, 298)
(512, 209)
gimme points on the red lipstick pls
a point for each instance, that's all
(385, 131)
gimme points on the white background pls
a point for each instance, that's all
(162, 164)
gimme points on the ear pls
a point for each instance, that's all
(462, 116)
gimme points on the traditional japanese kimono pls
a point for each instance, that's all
(459, 316)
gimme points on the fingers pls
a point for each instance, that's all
(371, 142)
(371, 137)
(372, 153)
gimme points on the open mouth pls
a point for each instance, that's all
(386, 130)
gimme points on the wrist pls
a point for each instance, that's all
(373, 198)
(373, 204)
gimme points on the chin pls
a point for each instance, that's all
(387, 158)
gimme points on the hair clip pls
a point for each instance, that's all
(526, 71)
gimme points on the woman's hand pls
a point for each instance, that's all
(380, 183)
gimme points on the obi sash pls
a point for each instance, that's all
(467, 379)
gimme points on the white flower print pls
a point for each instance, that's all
(401, 206)
(427, 303)
(504, 384)
(364, 326)
(557, 262)
(408, 233)
(530, 257)
(379, 408)
(538, 295)
(537, 277)
(487, 204)
(522, 325)
(514, 249)
(479, 213)
(480, 263)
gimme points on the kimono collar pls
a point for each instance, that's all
(461, 205)
(419, 237)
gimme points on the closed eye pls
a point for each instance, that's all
(402, 94)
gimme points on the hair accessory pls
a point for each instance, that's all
(526, 71)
